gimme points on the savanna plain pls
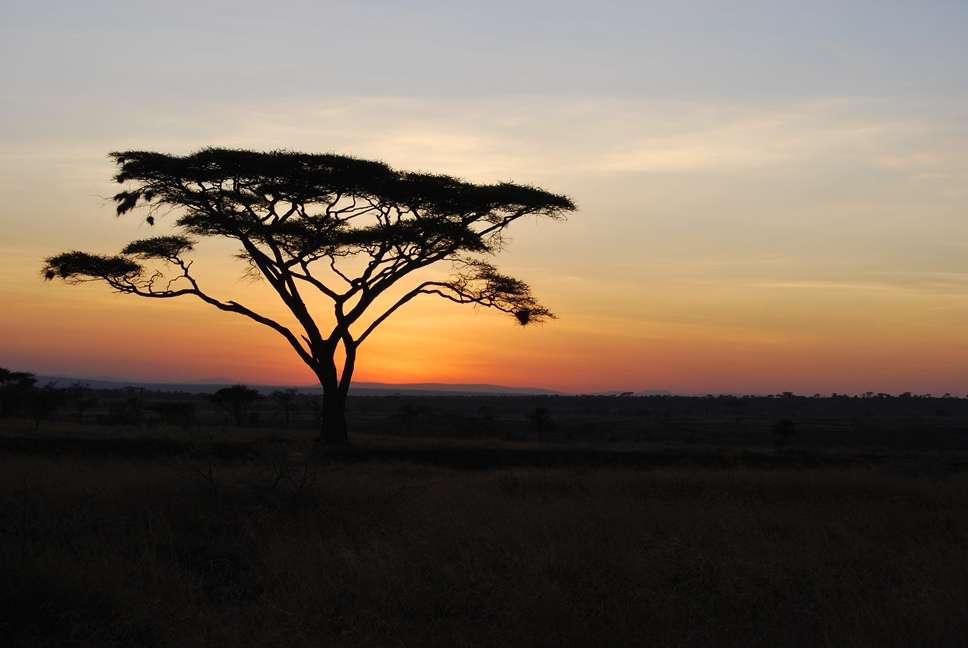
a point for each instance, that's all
(549, 522)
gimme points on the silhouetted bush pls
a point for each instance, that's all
(541, 421)
(81, 400)
(285, 401)
(43, 403)
(409, 414)
(15, 389)
(236, 401)
(128, 411)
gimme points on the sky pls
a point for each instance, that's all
(772, 196)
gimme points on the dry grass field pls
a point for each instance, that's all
(156, 551)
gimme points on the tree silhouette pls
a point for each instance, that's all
(330, 225)
(81, 398)
(44, 401)
(15, 389)
(541, 421)
(285, 400)
(236, 401)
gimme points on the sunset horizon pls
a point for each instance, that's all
(456, 324)
(735, 232)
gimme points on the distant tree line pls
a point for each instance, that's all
(784, 420)
(22, 397)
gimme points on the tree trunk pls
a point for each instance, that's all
(334, 430)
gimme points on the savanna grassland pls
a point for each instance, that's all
(280, 548)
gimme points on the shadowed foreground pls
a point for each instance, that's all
(116, 552)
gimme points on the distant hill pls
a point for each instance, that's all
(358, 389)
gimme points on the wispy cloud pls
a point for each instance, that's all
(500, 138)
(934, 284)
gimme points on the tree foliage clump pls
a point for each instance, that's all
(236, 401)
(16, 389)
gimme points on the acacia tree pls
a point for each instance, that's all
(337, 226)
(236, 401)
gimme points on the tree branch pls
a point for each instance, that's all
(146, 290)
(419, 290)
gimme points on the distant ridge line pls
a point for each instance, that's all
(361, 388)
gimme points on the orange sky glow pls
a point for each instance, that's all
(752, 217)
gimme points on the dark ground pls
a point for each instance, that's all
(612, 522)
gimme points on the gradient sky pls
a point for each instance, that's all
(773, 196)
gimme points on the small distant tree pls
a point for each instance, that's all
(330, 226)
(541, 421)
(81, 399)
(44, 402)
(285, 401)
(409, 414)
(129, 410)
(15, 388)
(236, 401)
